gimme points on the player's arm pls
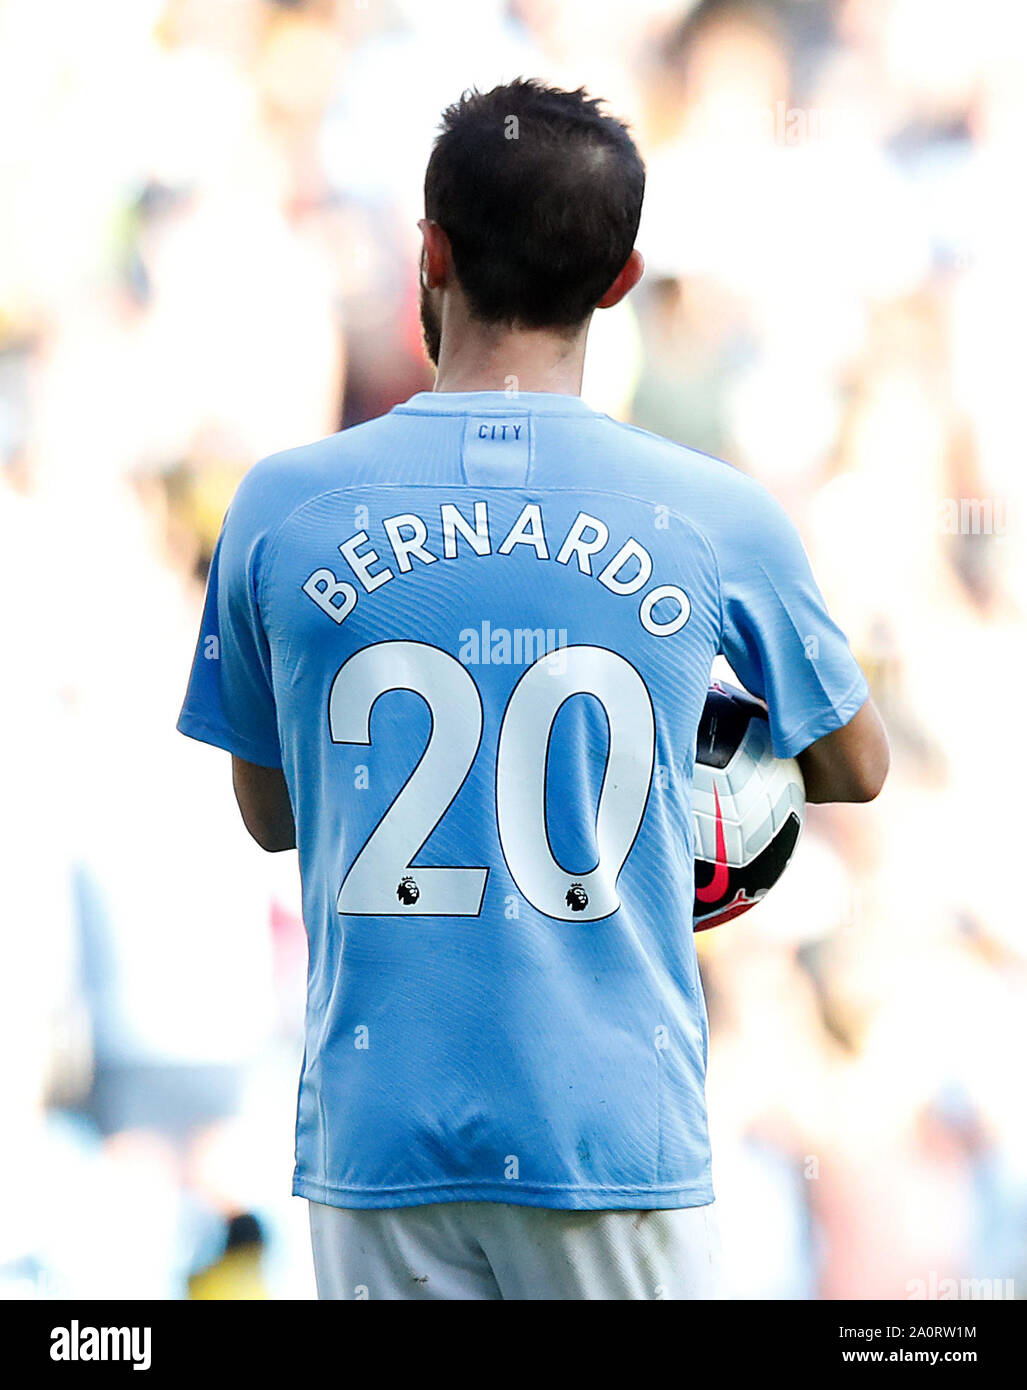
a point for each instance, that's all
(230, 702)
(849, 764)
(785, 647)
(263, 797)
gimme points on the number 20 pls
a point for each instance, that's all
(454, 703)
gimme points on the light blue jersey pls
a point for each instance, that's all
(477, 636)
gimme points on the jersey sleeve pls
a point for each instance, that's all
(230, 700)
(777, 633)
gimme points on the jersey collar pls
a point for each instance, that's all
(493, 403)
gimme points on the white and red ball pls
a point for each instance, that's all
(748, 807)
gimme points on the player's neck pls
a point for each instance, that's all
(487, 359)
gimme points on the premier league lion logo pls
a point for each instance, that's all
(577, 898)
(408, 891)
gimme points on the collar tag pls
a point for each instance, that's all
(497, 451)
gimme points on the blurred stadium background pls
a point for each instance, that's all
(207, 253)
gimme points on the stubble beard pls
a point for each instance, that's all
(431, 328)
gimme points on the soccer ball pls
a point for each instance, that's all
(748, 807)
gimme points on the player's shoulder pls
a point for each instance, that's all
(707, 486)
(274, 487)
(737, 516)
(681, 460)
(309, 464)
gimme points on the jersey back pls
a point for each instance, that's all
(477, 636)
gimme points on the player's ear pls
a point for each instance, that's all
(625, 282)
(436, 256)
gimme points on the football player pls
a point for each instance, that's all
(449, 649)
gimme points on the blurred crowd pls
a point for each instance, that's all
(208, 252)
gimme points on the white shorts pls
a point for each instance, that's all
(477, 1250)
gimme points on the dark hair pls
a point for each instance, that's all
(540, 194)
